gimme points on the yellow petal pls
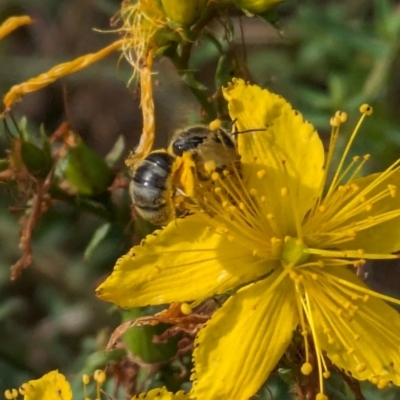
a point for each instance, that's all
(185, 261)
(377, 237)
(359, 334)
(287, 158)
(244, 340)
(161, 394)
(52, 386)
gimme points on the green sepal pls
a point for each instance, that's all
(189, 79)
(139, 340)
(37, 161)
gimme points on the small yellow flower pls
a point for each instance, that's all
(50, 386)
(287, 243)
(54, 386)
(162, 394)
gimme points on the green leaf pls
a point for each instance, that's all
(97, 238)
(86, 170)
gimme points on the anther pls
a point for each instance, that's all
(186, 309)
(270, 216)
(215, 176)
(382, 383)
(306, 368)
(366, 109)
(214, 125)
(334, 122)
(368, 207)
(85, 379)
(99, 376)
(356, 158)
(366, 157)
(253, 192)
(284, 192)
(342, 116)
(210, 166)
(8, 394)
(326, 374)
(321, 396)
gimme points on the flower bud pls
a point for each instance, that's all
(256, 6)
(183, 12)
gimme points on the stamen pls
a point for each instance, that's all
(335, 181)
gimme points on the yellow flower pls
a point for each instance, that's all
(50, 386)
(286, 243)
(162, 394)
(54, 386)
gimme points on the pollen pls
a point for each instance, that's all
(284, 192)
(368, 207)
(253, 192)
(261, 173)
(361, 367)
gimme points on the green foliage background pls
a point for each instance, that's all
(329, 55)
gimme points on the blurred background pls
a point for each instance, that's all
(324, 56)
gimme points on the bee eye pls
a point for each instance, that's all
(182, 144)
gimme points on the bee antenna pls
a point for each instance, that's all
(248, 131)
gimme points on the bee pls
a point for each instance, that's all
(193, 154)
